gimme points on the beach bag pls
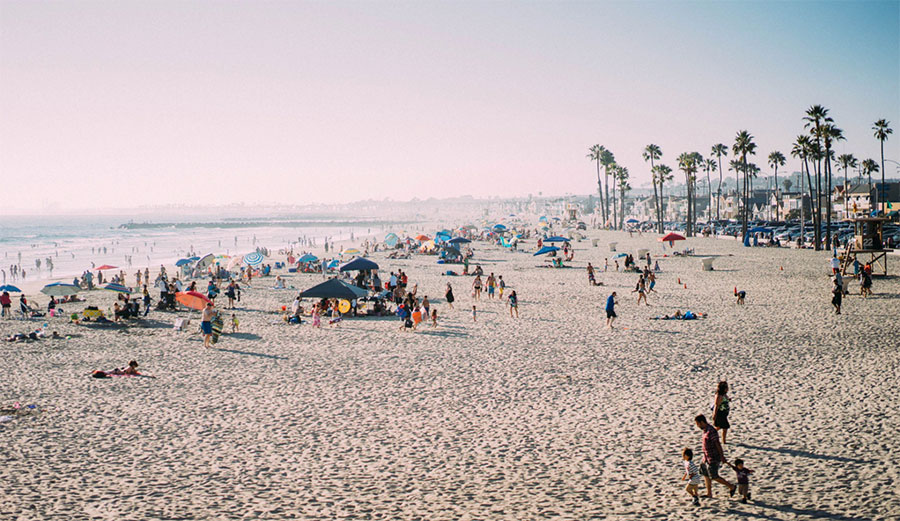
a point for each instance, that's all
(99, 374)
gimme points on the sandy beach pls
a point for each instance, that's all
(547, 416)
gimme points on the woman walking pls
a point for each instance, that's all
(720, 410)
(449, 295)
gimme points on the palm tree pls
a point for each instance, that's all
(776, 159)
(815, 117)
(744, 146)
(719, 150)
(882, 130)
(868, 167)
(846, 161)
(621, 176)
(687, 163)
(595, 154)
(661, 175)
(652, 153)
(830, 133)
(607, 159)
(710, 167)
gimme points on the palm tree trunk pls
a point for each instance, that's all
(606, 202)
(828, 198)
(879, 194)
(777, 202)
(846, 213)
(812, 200)
(662, 206)
(719, 190)
(599, 185)
(708, 196)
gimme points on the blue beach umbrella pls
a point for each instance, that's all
(545, 250)
(307, 257)
(632, 221)
(118, 288)
(359, 263)
(760, 229)
(620, 255)
(458, 240)
(391, 240)
(10, 288)
(556, 238)
(253, 258)
(182, 262)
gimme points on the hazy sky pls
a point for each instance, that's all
(131, 103)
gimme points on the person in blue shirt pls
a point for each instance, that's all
(610, 310)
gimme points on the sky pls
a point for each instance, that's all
(124, 104)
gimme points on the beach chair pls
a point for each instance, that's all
(181, 324)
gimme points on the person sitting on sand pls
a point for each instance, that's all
(279, 282)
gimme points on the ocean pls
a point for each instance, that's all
(78, 243)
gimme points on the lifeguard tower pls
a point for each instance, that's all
(571, 212)
(867, 242)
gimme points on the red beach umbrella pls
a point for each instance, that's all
(106, 267)
(669, 237)
(192, 299)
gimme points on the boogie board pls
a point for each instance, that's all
(217, 324)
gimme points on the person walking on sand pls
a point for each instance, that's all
(206, 323)
(610, 310)
(474, 314)
(721, 407)
(837, 294)
(513, 304)
(476, 288)
(641, 290)
(692, 475)
(713, 456)
(449, 295)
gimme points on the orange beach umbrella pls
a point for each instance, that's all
(192, 299)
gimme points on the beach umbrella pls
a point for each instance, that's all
(458, 240)
(182, 262)
(332, 264)
(307, 257)
(334, 288)
(254, 258)
(350, 251)
(632, 221)
(10, 288)
(106, 267)
(359, 263)
(234, 262)
(422, 237)
(546, 249)
(556, 238)
(620, 255)
(192, 299)
(391, 240)
(672, 236)
(205, 262)
(499, 228)
(60, 289)
(194, 259)
(118, 288)
(760, 229)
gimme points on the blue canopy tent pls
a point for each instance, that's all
(556, 238)
(458, 240)
(391, 240)
(760, 229)
(334, 288)
(545, 250)
(359, 263)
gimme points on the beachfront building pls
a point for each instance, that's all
(859, 200)
(790, 206)
(643, 209)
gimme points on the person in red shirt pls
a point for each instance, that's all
(6, 303)
(713, 456)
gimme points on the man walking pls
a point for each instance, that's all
(206, 323)
(610, 310)
(713, 456)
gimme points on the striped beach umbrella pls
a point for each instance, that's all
(253, 258)
(118, 288)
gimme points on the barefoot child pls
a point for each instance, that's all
(692, 474)
(474, 314)
(433, 318)
(234, 323)
(743, 478)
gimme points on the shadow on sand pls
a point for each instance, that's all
(805, 454)
(250, 353)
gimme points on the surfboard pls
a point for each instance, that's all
(217, 324)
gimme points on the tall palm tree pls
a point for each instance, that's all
(776, 159)
(719, 150)
(816, 116)
(607, 159)
(595, 153)
(687, 163)
(869, 166)
(710, 167)
(652, 153)
(661, 175)
(744, 146)
(621, 176)
(801, 150)
(846, 161)
(882, 130)
(830, 134)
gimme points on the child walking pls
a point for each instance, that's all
(692, 475)
(474, 314)
(743, 478)
(235, 324)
